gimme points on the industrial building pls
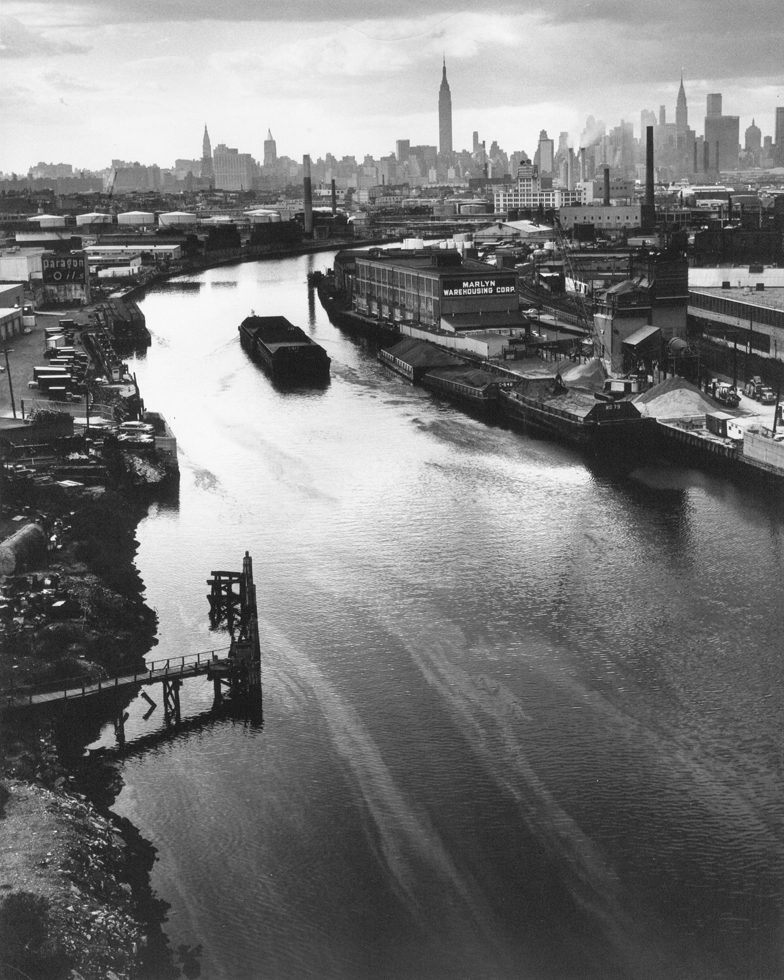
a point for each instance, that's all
(739, 311)
(437, 289)
(531, 191)
(602, 217)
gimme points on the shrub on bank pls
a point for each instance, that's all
(25, 947)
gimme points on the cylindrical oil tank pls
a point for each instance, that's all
(136, 218)
(262, 216)
(94, 218)
(48, 220)
(169, 218)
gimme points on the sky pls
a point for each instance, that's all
(88, 81)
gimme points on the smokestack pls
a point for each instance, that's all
(334, 198)
(307, 195)
(649, 166)
(606, 200)
(648, 210)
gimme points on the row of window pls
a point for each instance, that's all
(743, 311)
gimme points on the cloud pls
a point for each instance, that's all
(94, 12)
(17, 41)
(65, 83)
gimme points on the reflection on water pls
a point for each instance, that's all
(520, 719)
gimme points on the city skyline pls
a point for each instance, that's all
(85, 82)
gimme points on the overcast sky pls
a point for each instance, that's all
(85, 81)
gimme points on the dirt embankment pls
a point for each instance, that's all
(75, 899)
(69, 883)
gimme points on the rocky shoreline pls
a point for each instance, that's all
(75, 896)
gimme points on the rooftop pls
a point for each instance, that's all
(771, 299)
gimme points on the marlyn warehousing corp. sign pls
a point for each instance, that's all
(478, 287)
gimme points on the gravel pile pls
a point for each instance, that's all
(674, 398)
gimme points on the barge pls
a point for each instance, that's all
(611, 428)
(284, 350)
(473, 389)
(423, 363)
(754, 453)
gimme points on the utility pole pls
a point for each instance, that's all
(7, 351)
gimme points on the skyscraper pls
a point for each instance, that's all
(270, 150)
(206, 156)
(722, 141)
(545, 152)
(681, 112)
(713, 104)
(779, 133)
(444, 116)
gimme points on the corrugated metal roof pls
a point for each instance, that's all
(644, 333)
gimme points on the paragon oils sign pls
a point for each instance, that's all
(478, 287)
(60, 269)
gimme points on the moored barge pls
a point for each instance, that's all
(284, 350)
(611, 428)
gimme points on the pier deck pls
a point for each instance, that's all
(207, 663)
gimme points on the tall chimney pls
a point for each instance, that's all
(648, 210)
(606, 201)
(334, 197)
(307, 195)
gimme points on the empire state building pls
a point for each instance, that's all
(444, 116)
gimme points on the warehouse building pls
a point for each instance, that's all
(437, 289)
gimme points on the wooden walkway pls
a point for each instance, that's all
(160, 671)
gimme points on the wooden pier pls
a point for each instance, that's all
(235, 671)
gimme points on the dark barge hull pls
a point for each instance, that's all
(284, 350)
(345, 318)
(482, 402)
(686, 447)
(615, 432)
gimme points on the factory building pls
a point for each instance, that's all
(437, 290)
(531, 192)
(739, 312)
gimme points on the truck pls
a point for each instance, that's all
(727, 395)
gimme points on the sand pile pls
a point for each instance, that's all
(674, 398)
(589, 375)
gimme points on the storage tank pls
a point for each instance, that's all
(48, 220)
(136, 218)
(262, 216)
(94, 218)
(174, 218)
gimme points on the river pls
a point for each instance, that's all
(521, 719)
